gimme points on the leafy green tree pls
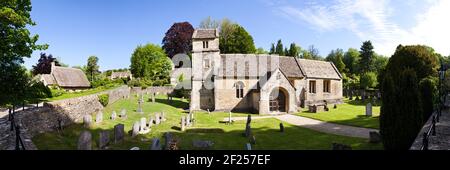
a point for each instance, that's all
(279, 48)
(294, 50)
(336, 57)
(151, 65)
(16, 42)
(209, 23)
(92, 67)
(261, 51)
(401, 110)
(272, 49)
(368, 80)
(238, 41)
(351, 60)
(313, 53)
(366, 57)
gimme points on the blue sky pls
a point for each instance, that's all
(111, 29)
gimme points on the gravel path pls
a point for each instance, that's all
(317, 125)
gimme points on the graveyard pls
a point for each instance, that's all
(207, 131)
(351, 112)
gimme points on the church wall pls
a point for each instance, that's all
(226, 94)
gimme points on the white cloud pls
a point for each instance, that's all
(371, 20)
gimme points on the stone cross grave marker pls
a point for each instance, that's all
(113, 115)
(119, 133)
(103, 140)
(99, 117)
(156, 144)
(135, 130)
(140, 101)
(85, 141)
(369, 109)
(87, 120)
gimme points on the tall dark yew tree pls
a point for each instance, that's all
(366, 57)
(178, 39)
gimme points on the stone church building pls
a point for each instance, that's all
(264, 84)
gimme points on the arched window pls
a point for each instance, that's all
(239, 90)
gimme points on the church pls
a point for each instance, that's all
(257, 83)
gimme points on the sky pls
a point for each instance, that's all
(112, 29)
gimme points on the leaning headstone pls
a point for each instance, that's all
(113, 115)
(248, 146)
(143, 123)
(375, 137)
(103, 139)
(156, 144)
(157, 119)
(99, 117)
(123, 114)
(135, 130)
(369, 109)
(119, 133)
(281, 127)
(183, 124)
(87, 120)
(84, 141)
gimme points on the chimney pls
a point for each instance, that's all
(52, 67)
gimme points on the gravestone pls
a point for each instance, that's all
(281, 127)
(99, 117)
(229, 118)
(183, 124)
(249, 119)
(156, 144)
(85, 141)
(103, 139)
(369, 109)
(143, 124)
(87, 120)
(123, 114)
(150, 122)
(135, 149)
(168, 139)
(153, 98)
(192, 118)
(335, 106)
(248, 131)
(338, 146)
(163, 117)
(188, 120)
(119, 133)
(135, 130)
(139, 109)
(248, 146)
(202, 144)
(375, 137)
(157, 119)
(113, 115)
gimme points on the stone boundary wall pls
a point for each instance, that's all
(417, 144)
(155, 89)
(47, 118)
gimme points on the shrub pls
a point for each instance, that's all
(57, 92)
(103, 99)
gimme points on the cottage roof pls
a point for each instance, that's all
(319, 69)
(121, 74)
(48, 78)
(205, 34)
(70, 77)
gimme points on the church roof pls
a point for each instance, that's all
(249, 65)
(70, 77)
(319, 69)
(205, 34)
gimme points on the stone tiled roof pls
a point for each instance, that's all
(319, 69)
(242, 65)
(48, 78)
(205, 34)
(70, 77)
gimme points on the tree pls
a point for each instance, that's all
(351, 60)
(178, 39)
(401, 110)
(92, 67)
(44, 64)
(209, 23)
(367, 57)
(16, 43)
(151, 65)
(336, 57)
(238, 41)
(368, 80)
(314, 53)
(294, 50)
(279, 48)
(261, 51)
(272, 49)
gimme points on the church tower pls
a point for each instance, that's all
(205, 60)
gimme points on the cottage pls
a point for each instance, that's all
(65, 78)
(122, 74)
(263, 84)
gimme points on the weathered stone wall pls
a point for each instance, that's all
(150, 90)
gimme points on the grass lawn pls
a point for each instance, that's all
(207, 127)
(350, 113)
(82, 93)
